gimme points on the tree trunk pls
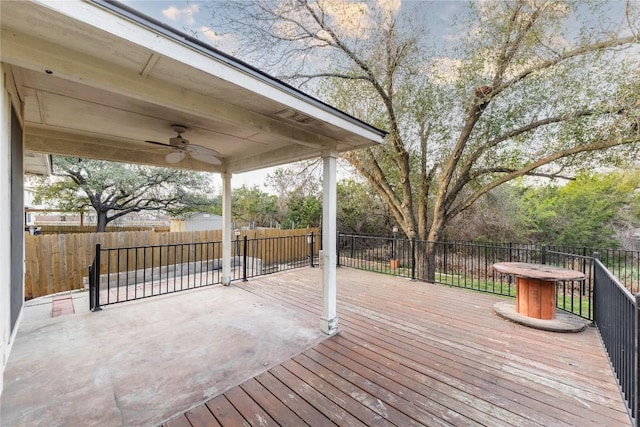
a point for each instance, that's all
(102, 222)
(429, 250)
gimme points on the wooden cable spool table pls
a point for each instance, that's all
(536, 286)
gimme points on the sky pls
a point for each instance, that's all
(195, 17)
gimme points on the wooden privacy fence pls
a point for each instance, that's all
(56, 263)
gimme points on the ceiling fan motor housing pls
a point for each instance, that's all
(179, 142)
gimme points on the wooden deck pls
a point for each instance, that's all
(411, 353)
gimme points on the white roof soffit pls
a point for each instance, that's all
(37, 164)
(98, 79)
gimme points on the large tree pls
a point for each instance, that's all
(523, 88)
(114, 190)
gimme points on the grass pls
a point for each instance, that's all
(582, 308)
(469, 282)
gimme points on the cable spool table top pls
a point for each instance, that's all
(538, 271)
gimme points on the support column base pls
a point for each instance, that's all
(329, 326)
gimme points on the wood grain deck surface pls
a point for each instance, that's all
(411, 353)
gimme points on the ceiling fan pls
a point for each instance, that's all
(180, 147)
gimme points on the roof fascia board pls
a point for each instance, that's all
(140, 30)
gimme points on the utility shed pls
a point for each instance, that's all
(197, 222)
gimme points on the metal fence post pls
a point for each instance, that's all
(543, 254)
(583, 284)
(510, 253)
(310, 240)
(338, 250)
(413, 258)
(244, 258)
(636, 374)
(353, 246)
(594, 290)
(444, 256)
(91, 288)
(486, 262)
(96, 279)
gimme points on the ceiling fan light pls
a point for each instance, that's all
(175, 156)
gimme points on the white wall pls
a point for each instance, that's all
(6, 337)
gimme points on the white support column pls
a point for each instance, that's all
(329, 319)
(226, 228)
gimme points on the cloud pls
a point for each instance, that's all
(352, 19)
(185, 14)
(225, 42)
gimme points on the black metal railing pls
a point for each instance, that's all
(130, 273)
(617, 317)
(374, 253)
(466, 265)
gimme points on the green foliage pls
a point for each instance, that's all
(251, 205)
(586, 212)
(114, 190)
(493, 218)
(303, 212)
(360, 210)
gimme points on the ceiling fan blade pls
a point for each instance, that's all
(204, 154)
(158, 143)
(175, 156)
(200, 150)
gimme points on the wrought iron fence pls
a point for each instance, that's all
(130, 273)
(375, 252)
(469, 265)
(617, 316)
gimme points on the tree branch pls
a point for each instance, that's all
(541, 162)
(487, 171)
(601, 45)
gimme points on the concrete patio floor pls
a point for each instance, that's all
(141, 362)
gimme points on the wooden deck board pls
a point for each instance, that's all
(295, 402)
(226, 414)
(411, 353)
(180, 421)
(270, 404)
(250, 410)
(343, 398)
(200, 416)
(321, 402)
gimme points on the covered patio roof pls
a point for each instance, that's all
(98, 79)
